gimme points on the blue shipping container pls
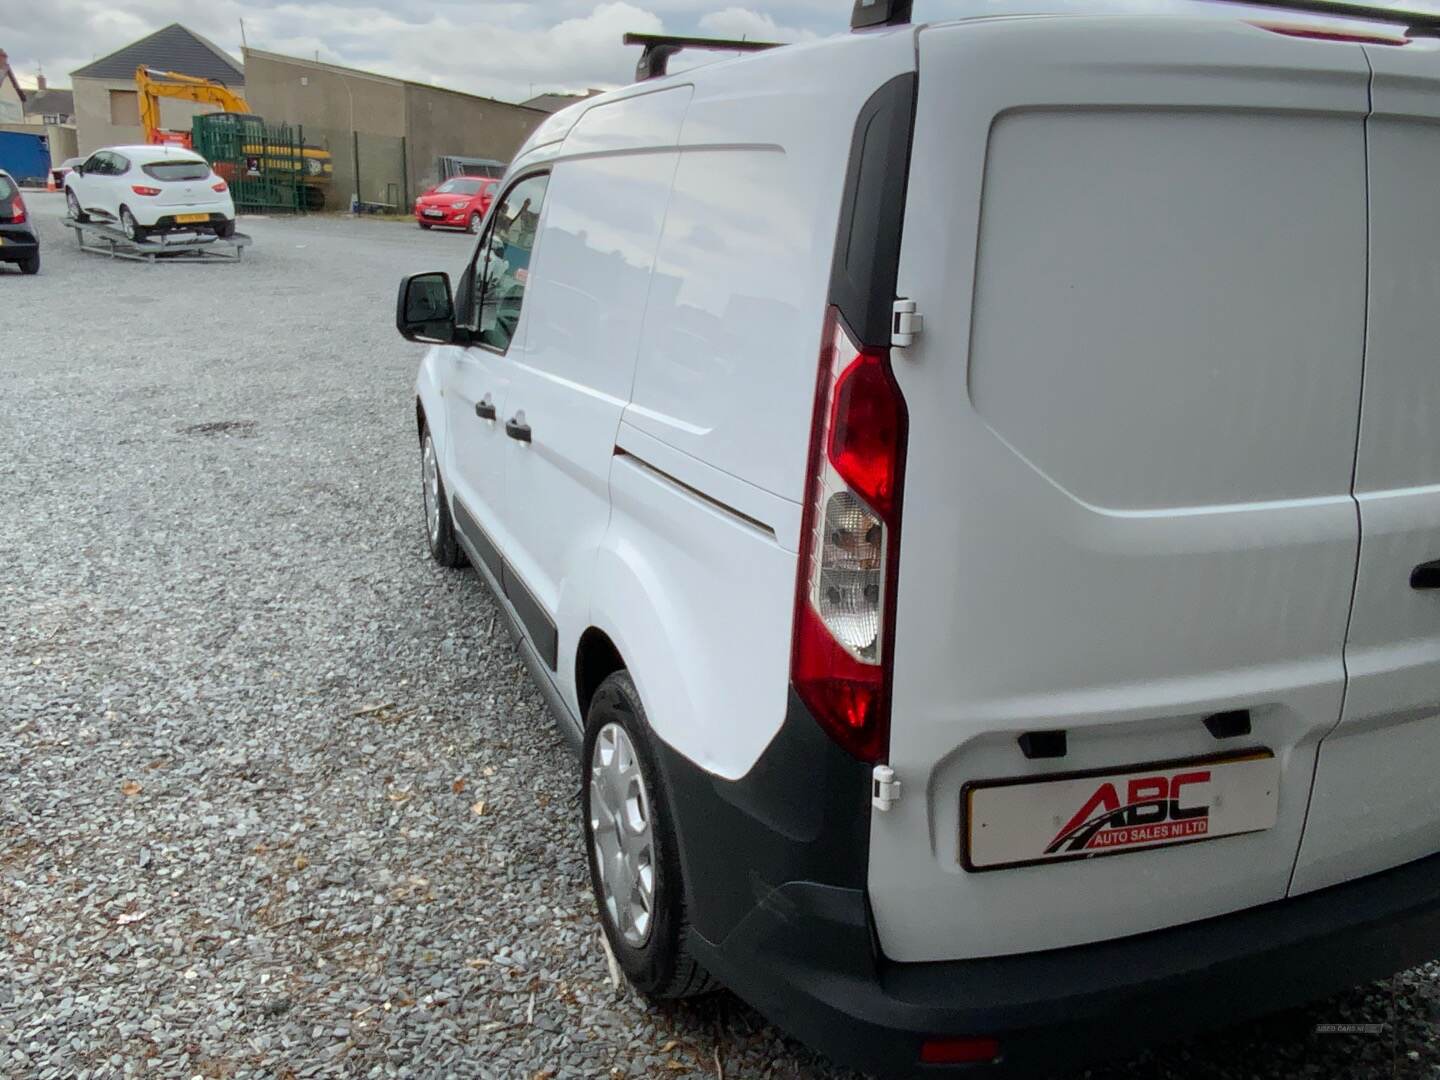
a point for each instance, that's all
(25, 157)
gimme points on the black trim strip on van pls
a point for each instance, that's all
(694, 492)
(538, 624)
(536, 621)
(489, 554)
(872, 213)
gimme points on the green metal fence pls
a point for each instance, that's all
(267, 166)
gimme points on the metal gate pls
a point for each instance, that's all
(264, 164)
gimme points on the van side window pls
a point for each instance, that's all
(503, 261)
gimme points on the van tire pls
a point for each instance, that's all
(662, 968)
(440, 536)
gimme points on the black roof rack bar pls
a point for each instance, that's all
(869, 13)
(880, 13)
(660, 47)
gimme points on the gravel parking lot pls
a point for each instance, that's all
(276, 796)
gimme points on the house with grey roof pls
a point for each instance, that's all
(107, 104)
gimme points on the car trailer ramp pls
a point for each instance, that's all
(176, 247)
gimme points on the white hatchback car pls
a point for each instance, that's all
(150, 189)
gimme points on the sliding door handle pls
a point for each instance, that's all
(1426, 575)
(517, 428)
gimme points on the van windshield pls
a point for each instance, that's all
(193, 169)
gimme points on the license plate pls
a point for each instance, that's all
(434, 213)
(190, 219)
(1082, 815)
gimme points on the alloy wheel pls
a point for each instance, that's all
(623, 835)
(430, 483)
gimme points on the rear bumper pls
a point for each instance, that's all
(802, 948)
(158, 217)
(17, 242)
(805, 959)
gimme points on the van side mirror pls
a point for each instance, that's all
(425, 308)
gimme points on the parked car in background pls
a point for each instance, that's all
(459, 203)
(977, 518)
(148, 190)
(19, 242)
(64, 169)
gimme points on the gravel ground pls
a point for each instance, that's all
(276, 796)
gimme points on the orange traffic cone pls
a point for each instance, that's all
(50, 181)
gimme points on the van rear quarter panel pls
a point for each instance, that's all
(1139, 246)
(729, 356)
(698, 596)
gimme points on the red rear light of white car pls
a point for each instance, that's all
(140, 189)
(844, 610)
(220, 186)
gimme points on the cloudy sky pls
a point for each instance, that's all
(495, 47)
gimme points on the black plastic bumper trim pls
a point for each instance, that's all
(538, 624)
(805, 958)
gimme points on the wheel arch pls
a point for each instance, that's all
(596, 659)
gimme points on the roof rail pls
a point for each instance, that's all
(869, 13)
(1417, 23)
(660, 47)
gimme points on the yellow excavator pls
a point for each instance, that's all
(314, 163)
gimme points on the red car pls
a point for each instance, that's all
(458, 203)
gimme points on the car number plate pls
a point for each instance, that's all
(1024, 821)
(191, 219)
(434, 213)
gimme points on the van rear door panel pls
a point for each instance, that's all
(1374, 804)
(1140, 255)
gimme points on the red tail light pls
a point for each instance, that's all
(959, 1051)
(845, 598)
(17, 211)
(141, 190)
(221, 187)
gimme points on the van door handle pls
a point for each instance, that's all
(518, 429)
(484, 409)
(1426, 575)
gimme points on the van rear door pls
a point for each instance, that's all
(1374, 804)
(1139, 247)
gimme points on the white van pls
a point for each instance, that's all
(972, 492)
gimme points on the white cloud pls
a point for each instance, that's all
(738, 22)
(498, 48)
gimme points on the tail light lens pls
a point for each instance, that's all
(17, 211)
(844, 610)
(140, 189)
(220, 186)
(959, 1051)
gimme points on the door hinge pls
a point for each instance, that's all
(905, 323)
(884, 788)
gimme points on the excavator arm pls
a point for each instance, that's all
(153, 85)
